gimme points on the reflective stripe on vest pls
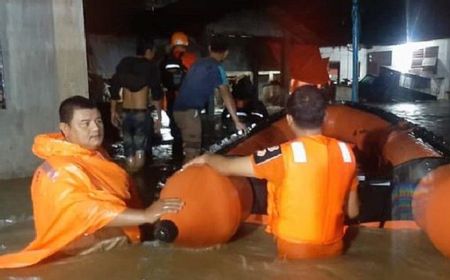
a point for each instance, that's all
(49, 171)
(298, 150)
(346, 157)
(172, 66)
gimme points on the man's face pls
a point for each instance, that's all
(223, 55)
(85, 129)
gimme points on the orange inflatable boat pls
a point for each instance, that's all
(405, 176)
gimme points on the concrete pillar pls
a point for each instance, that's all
(70, 48)
(44, 61)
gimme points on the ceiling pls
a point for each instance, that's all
(322, 22)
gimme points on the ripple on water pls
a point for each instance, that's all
(434, 116)
(12, 220)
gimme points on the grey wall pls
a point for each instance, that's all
(44, 57)
(239, 57)
(106, 51)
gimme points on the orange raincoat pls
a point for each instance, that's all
(75, 193)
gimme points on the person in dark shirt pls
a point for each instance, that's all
(198, 86)
(139, 79)
(173, 70)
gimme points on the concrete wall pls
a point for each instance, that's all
(31, 33)
(344, 55)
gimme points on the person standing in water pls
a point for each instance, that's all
(139, 79)
(311, 181)
(82, 201)
(205, 75)
(173, 70)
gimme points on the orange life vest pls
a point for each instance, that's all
(309, 205)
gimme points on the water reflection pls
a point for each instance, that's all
(431, 115)
(407, 109)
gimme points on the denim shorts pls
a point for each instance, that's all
(136, 127)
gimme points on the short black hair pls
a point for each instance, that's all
(218, 44)
(69, 105)
(307, 106)
(143, 44)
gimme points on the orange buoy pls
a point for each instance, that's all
(430, 206)
(401, 146)
(354, 126)
(214, 207)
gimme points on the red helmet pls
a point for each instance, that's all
(179, 39)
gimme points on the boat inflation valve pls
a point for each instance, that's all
(165, 230)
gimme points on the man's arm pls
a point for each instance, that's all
(157, 125)
(352, 204)
(133, 217)
(75, 198)
(115, 118)
(229, 104)
(115, 93)
(234, 166)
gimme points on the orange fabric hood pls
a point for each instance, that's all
(53, 144)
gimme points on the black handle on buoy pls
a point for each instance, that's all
(165, 230)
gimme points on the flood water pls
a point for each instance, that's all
(373, 254)
(432, 115)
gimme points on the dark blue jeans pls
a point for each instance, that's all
(136, 127)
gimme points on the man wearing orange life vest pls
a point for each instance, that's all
(82, 202)
(311, 181)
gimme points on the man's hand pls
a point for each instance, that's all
(198, 160)
(226, 165)
(115, 119)
(229, 103)
(161, 207)
(240, 126)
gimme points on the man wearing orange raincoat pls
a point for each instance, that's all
(81, 200)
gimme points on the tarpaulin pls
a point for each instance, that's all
(305, 63)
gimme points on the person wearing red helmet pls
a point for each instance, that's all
(173, 70)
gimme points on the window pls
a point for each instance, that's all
(425, 60)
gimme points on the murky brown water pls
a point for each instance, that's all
(374, 254)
